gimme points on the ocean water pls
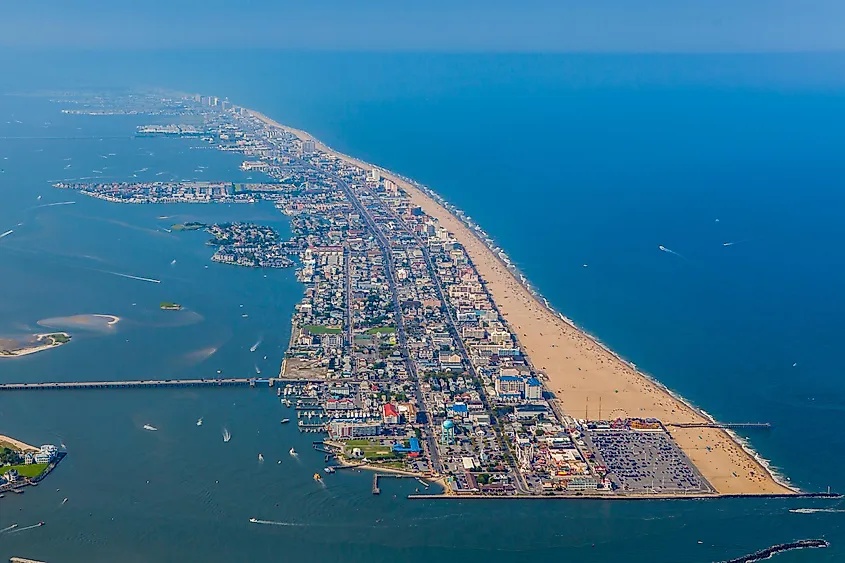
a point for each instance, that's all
(564, 160)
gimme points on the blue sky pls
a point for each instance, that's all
(433, 25)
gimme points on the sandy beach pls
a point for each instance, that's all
(580, 371)
(16, 443)
(38, 346)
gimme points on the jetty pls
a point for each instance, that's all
(146, 383)
(377, 476)
(769, 551)
(728, 425)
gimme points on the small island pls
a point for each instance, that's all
(41, 342)
(22, 464)
(189, 226)
(169, 306)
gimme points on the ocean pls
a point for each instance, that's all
(566, 161)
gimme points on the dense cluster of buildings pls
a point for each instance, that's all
(397, 345)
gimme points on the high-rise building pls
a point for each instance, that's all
(308, 146)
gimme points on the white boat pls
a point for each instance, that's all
(329, 470)
(253, 520)
(150, 427)
(260, 457)
(292, 451)
(199, 421)
(285, 420)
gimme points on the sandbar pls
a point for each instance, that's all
(85, 322)
(581, 371)
(42, 342)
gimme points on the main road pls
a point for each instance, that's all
(387, 251)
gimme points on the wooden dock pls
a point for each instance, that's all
(148, 383)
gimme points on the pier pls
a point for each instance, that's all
(148, 383)
(728, 425)
(377, 476)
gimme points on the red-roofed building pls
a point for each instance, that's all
(389, 414)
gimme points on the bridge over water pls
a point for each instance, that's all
(147, 383)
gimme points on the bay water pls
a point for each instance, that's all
(565, 160)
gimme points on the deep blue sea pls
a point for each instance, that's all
(564, 160)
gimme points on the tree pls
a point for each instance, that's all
(9, 456)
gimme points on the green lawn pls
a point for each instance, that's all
(318, 329)
(32, 470)
(372, 450)
(381, 330)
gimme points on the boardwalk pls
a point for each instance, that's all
(227, 382)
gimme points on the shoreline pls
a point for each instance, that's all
(23, 446)
(35, 347)
(507, 285)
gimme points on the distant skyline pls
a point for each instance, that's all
(435, 25)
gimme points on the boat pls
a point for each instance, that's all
(254, 520)
(260, 457)
(199, 421)
(329, 470)
(64, 501)
(292, 451)
(285, 420)
(41, 523)
(317, 477)
(150, 427)
(279, 392)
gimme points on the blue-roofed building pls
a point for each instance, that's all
(458, 409)
(509, 387)
(413, 447)
(533, 389)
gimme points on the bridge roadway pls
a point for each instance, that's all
(222, 382)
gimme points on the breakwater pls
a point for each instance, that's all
(769, 551)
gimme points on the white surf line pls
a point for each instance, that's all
(670, 251)
(26, 528)
(54, 204)
(128, 276)
(273, 522)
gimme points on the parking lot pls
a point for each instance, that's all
(645, 461)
